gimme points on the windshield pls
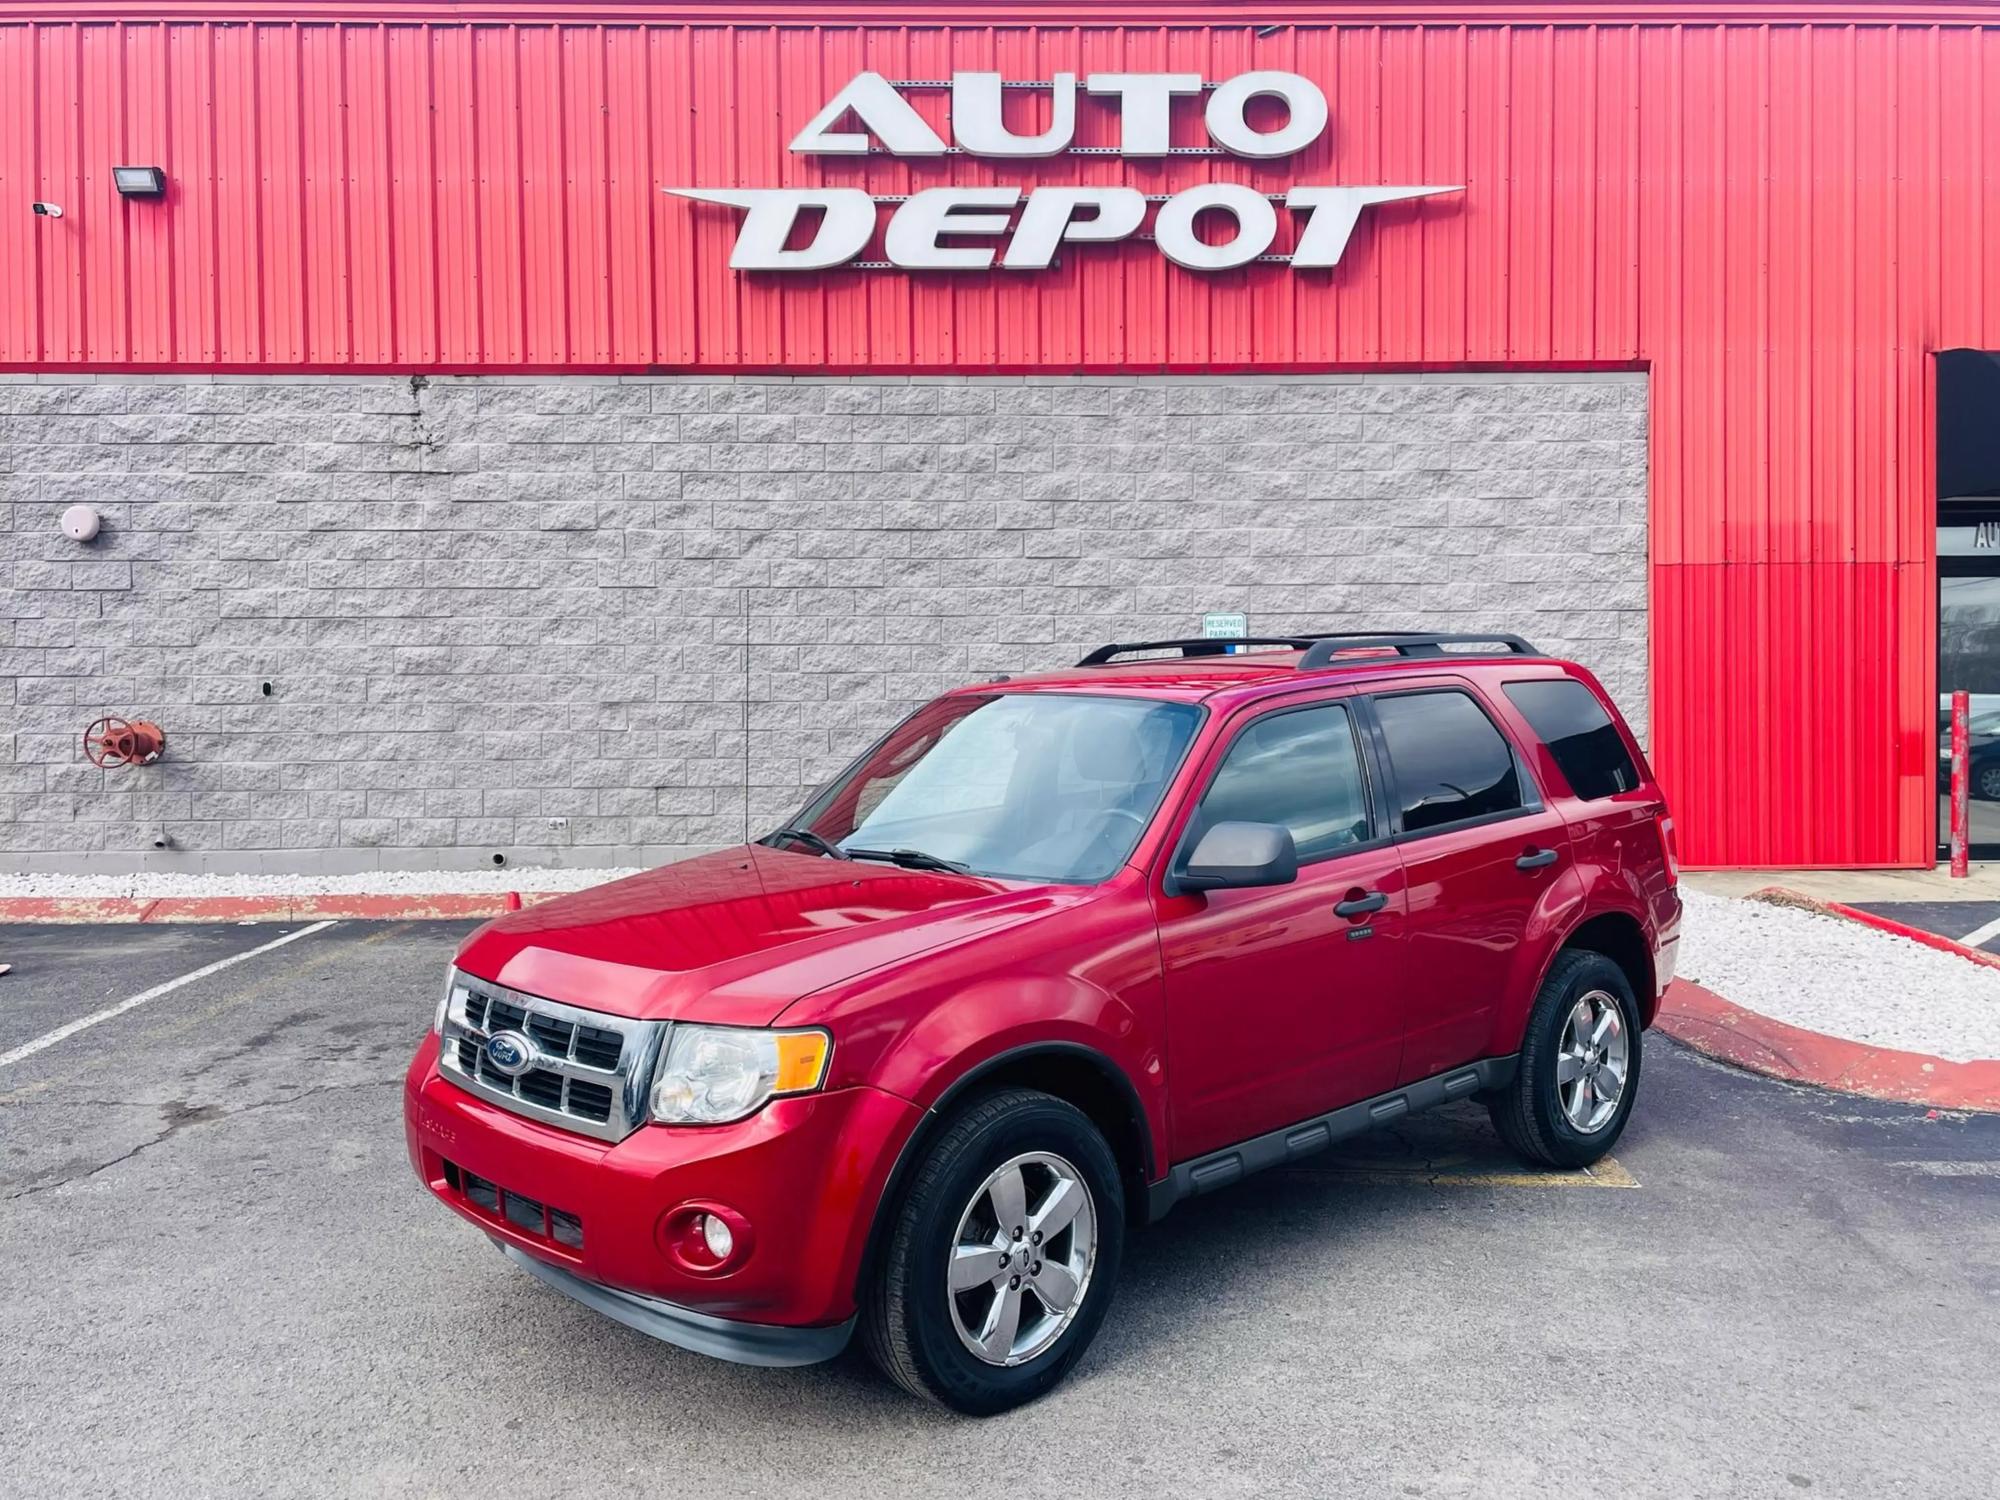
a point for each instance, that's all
(1023, 786)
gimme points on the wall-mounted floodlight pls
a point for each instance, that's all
(139, 182)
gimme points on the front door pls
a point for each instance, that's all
(1279, 1005)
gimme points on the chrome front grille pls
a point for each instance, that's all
(586, 1071)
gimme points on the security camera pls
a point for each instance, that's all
(49, 210)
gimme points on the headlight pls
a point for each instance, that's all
(454, 991)
(714, 1074)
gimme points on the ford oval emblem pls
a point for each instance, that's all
(510, 1053)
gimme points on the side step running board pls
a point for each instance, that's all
(1233, 1163)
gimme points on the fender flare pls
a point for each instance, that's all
(1648, 1003)
(934, 1116)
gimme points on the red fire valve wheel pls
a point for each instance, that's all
(117, 742)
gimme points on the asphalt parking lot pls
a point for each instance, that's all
(221, 1278)
(1974, 923)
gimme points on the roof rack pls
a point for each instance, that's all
(1320, 649)
(1195, 646)
(1325, 648)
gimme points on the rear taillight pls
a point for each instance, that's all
(1666, 826)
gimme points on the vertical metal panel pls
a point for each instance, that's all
(239, 257)
(630, 194)
(100, 119)
(60, 285)
(375, 217)
(586, 197)
(150, 305)
(1441, 297)
(20, 167)
(546, 283)
(751, 56)
(1357, 156)
(411, 194)
(458, 260)
(275, 262)
(1531, 87)
(1486, 204)
(1573, 189)
(329, 304)
(669, 63)
(195, 178)
(495, 164)
(1781, 221)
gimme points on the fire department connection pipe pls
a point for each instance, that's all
(1961, 785)
(114, 742)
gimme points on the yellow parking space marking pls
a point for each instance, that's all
(1464, 1172)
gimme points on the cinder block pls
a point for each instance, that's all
(541, 614)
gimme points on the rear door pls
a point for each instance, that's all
(1479, 847)
(1592, 774)
(1285, 1002)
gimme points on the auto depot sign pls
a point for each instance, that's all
(872, 116)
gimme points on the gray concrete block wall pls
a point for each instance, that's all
(614, 620)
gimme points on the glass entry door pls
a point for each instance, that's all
(1969, 661)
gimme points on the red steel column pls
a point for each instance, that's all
(1961, 779)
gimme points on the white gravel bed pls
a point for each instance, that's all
(1832, 975)
(368, 883)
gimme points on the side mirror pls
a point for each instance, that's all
(1233, 856)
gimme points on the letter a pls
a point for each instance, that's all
(878, 107)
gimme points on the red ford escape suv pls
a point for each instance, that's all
(1056, 953)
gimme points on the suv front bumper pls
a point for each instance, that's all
(724, 1338)
(804, 1173)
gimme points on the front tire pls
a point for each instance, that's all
(1579, 1069)
(1002, 1258)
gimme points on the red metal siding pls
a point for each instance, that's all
(1781, 218)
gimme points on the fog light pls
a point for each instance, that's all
(715, 1234)
(706, 1239)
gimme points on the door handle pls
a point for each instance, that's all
(1536, 859)
(1360, 906)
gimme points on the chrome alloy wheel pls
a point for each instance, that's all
(1022, 1257)
(1591, 1065)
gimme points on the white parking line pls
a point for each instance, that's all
(1980, 936)
(49, 1039)
(1952, 1168)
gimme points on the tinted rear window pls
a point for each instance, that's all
(1579, 733)
(1451, 764)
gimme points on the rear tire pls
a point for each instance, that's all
(1579, 1068)
(966, 1312)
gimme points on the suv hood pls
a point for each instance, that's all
(736, 936)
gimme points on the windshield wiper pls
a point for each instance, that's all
(910, 859)
(812, 841)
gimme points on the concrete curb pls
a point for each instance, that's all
(1711, 1025)
(417, 908)
(1779, 895)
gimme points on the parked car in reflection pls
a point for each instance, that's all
(1982, 744)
